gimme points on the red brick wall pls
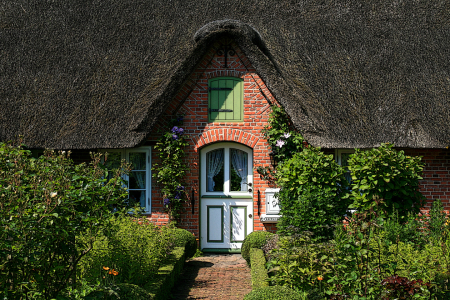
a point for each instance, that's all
(192, 101)
(436, 175)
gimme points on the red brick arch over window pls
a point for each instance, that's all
(225, 135)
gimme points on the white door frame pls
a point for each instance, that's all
(225, 217)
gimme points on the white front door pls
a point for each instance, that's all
(226, 196)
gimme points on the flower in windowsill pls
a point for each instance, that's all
(280, 143)
(287, 135)
(166, 201)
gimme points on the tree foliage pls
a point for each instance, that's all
(385, 180)
(312, 193)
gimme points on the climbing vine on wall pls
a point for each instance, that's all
(171, 170)
(283, 139)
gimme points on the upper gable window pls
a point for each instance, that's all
(225, 99)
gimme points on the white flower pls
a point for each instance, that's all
(287, 135)
(280, 143)
(53, 194)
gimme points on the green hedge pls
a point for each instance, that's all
(273, 293)
(256, 239)
(184, 238)
(258, 270)
(159, 288)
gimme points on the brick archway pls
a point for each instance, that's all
(225, 135)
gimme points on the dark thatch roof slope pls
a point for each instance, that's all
(97, 74)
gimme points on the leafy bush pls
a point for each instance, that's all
(312, 193)
(359, 258)
(120, 291)
(297, 263)
(273, 293)
(44, 204)
(256, 239)
(133, 246)
(385, 180)
(183, 238)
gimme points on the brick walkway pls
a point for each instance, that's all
(214, 276)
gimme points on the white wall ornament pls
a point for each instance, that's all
(272, 214)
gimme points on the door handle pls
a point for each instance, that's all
(250, 216)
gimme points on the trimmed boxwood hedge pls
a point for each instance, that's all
(273, 293)
(256, 239)
(183, 238)
(258, 269)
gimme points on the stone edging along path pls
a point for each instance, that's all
(214, 276)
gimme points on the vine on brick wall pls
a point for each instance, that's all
(283, 139)
(172, 169)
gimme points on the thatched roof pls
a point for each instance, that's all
(97, 74)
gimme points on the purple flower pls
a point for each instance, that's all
(175, 137)
(177, 196)
(175, 129)
(180, 119)
(287, 135)
(180, 131)
(280, 143)
(180, 188)
(166, 201)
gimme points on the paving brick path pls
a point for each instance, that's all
(214, 276)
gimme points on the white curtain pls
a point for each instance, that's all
(239, 162)
(215, 163)
(138, 161)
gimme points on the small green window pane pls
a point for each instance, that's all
(137, 159)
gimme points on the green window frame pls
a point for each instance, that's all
(225, 99)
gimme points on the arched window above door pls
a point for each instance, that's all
(226, 169)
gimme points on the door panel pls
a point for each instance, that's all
(238, 219)
(215, 223)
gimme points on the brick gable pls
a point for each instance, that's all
(192, 102)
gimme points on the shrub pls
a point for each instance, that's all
(312, 193)
(133, 246)
(297, 263)
(120, 291)
(44, 204)
(256, 239)
(385, 180)
(183, 238)
(273, 293)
